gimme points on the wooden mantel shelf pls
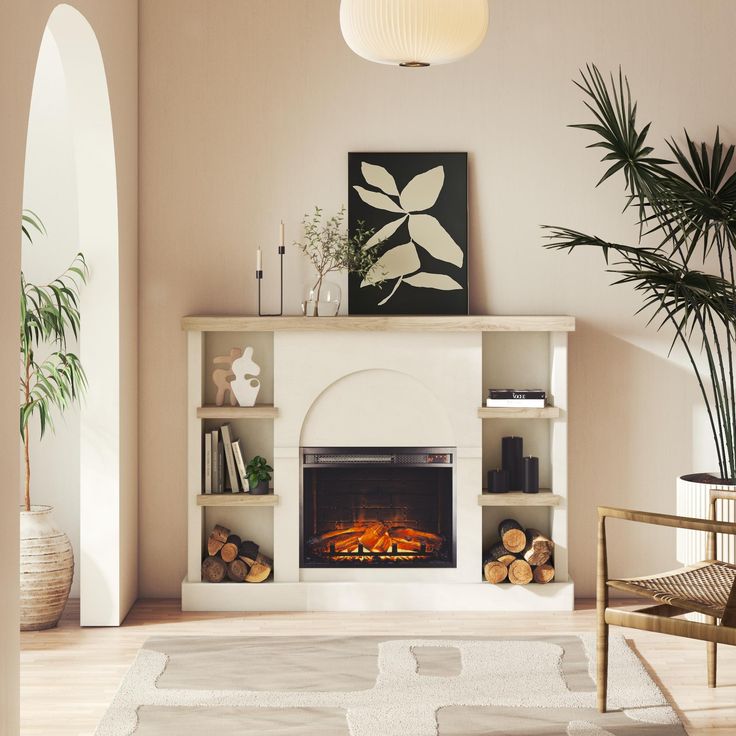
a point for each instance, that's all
(472, 323)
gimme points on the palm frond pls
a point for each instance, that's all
(687, 207)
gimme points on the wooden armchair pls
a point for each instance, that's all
(708, 587)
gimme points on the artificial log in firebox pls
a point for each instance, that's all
(376, 538)
(230, 557)
(519, 564)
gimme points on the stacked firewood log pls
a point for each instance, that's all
(521, 556)
(230, 558)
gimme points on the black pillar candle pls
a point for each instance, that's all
(531, 475)
(512, 451)
(498, 481)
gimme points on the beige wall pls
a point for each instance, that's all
(116, 25)
(248, 110)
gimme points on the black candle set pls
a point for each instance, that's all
(517, 472)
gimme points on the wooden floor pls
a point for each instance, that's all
(69, 675)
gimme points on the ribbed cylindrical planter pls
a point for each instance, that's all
(46, 569)
(693, 499)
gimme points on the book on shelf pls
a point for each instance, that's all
(514, 394)
(515, 403)
(227, 443)
(240, 465)
(207, 463)
(218, 463)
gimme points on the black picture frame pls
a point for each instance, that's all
(417, 206)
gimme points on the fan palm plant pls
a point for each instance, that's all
(47, 314)
(682, 263)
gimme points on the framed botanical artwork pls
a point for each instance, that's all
(417, 206)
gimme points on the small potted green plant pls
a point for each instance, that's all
(259, 474)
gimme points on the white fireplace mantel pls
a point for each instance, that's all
(377, 382)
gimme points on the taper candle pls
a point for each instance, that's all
(258, 260)
(281, 234)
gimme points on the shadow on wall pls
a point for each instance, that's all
(619, 395)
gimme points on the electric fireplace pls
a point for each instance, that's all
(378, 507)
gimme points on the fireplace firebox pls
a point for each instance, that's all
(378, 507)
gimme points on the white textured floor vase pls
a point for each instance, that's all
(46, 569)
(377, 686)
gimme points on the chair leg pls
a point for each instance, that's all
(712, 652)
(712, 649)
(601, 599)
(601, 651)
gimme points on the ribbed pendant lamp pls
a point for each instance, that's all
(413, 33)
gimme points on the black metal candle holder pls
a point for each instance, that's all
(259, 278)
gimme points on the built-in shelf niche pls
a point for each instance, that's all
(518, 360)
(248, 522)
(220, 343)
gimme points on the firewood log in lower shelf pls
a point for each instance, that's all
(495, 571)
(524, 563)
(217, 540)
(500, 553)
(231, 558)
(538, 548)
(237, 570)
(512, 535)
(260, 569)
(214, 569)
(520, 572)
(544, 574)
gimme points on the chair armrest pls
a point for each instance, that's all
(679, 522)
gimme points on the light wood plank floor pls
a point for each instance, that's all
(69, 675)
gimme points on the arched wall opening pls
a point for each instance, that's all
(70, 181)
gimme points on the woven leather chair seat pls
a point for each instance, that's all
(703, 587)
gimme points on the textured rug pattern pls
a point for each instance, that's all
(375, 686)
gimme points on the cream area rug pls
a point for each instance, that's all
(380, 686)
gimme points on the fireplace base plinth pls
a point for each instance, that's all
(368, 596)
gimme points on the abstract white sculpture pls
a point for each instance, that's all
(245, 386)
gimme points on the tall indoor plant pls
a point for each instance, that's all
(48, 313)
(682, 263)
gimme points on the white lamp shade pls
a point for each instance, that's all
(413, 32)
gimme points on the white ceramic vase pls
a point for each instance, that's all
(693, 499)
(46, 569)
